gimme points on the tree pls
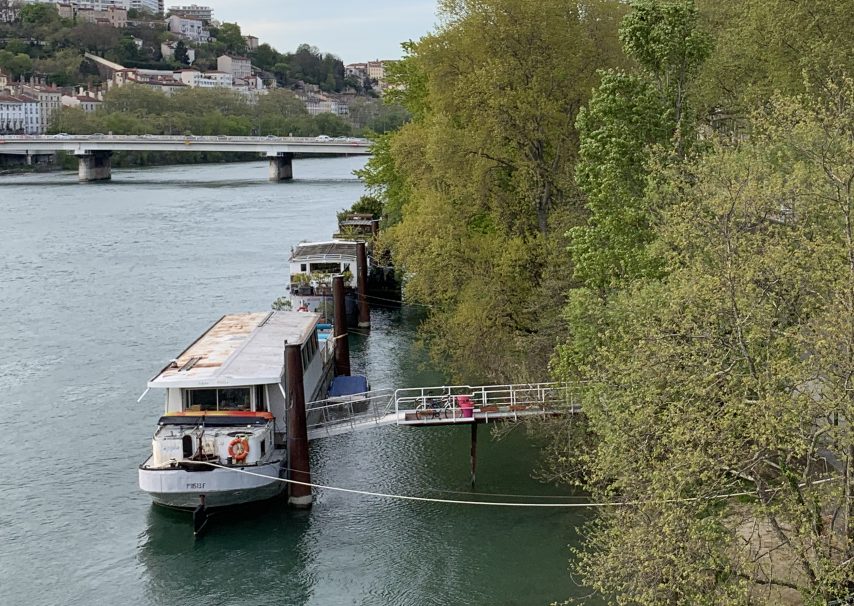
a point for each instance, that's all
(181, 54)
(230, 36)
(38, 14)
(634, 122)
(731, 375)
(94, 38)
(763, 46)
(62, 69)
(17, 65)
(265, 57)
(665, 38)
(482, 178)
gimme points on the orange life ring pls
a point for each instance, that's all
(238, 448)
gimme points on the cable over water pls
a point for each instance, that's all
(591, 504)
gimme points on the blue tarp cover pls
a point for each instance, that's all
(346, 386)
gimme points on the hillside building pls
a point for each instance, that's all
(49, 99)
(154, 7)
(193, 11)
(191, 29)
(240, 68)
(19, 114)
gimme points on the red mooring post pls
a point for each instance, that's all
(362, 281)
(339, 329)
(299, 496)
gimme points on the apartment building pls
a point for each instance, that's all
(154, 7)
(49, 99)
(191, 29)
(240, 68)
(19, 114)
(193, 11)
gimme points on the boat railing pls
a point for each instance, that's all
(336, 415)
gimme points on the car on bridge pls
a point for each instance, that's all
(323, 138)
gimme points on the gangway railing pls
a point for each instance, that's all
(334, 416)
(446, 404)
(419, 403)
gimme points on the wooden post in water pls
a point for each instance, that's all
(339, 326)
(299, 496)
(473, 452)
(362, 282)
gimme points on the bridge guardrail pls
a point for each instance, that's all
(181, 138)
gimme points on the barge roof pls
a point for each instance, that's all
(310, 250)
(240, 349)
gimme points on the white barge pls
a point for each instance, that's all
(312, 266)
(226, 407)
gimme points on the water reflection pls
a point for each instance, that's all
(257, 553)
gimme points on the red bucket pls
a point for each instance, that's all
(466, 405)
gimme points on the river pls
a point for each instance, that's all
(100, 285)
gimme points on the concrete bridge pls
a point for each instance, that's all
(94, 151)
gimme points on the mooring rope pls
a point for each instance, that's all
(587, 505)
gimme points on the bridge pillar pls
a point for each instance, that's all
(95, 166)
(281, 167)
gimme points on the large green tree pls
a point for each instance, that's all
(731, 374)
(482, 179)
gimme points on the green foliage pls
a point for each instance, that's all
(138, 109)
(625, 118)
(479, 187)
(38, 14)
(729, 374)
(181, 54)
(17, 65)
(763, 46)
(665, 38)
(366, 205)
(230, 37)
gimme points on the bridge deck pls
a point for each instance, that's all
(271, 145)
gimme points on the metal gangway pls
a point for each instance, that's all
(345, 414)
(442, 405)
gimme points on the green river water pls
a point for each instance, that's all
(100, 285)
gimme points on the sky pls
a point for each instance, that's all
(355, 30)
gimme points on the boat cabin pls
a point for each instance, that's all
(312, 265)
(237, 368)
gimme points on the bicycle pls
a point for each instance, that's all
(435, 408)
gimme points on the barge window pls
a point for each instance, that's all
(309, 349)
(326, 268)
(201, 399)
(260, 401)
(232, 398)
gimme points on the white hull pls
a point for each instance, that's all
(222, 488)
